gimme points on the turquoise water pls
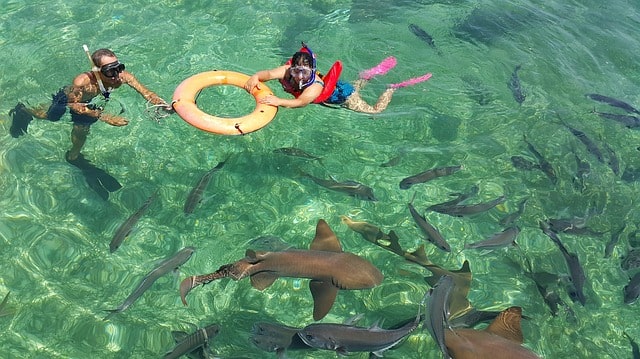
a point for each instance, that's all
(55, 231)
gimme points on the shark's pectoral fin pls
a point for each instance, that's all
(324, 294)
(507, 325)
(263, 280)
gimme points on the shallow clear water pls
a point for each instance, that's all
(55, 231)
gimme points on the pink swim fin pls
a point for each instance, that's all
(411, 82)
(380, 69)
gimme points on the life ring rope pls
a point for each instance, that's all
(184, 103)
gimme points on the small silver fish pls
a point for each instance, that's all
(164, 267)
(195, 196)
(498, 240)
(198, 340)
(437, 313)
(350, 187)
(428, 175)
(126, 227)
(296, 152)
(431, 233)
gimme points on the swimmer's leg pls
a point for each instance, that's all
(356, 103)
(78, 138)
(20, 122)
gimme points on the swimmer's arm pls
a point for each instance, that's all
(308, 95)
(81, 86)
(148, 95)
(264, 76)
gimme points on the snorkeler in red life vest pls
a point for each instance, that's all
(300, 77)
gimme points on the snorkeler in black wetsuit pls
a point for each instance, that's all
(107, 74)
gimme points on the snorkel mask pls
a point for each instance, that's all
(113, 69)
(301, 72)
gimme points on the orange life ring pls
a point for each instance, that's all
(184, 103)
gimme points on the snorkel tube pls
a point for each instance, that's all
(96, 72)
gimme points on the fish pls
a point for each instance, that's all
(461, 210)
(179, 335)
(460, 197)
(296, 152)
(583, 169)
(543, 282)
(635, 350)
(473, 317)
(370, 232)
(350, 187)
(499, 240)
(591, 146)
(195, 196)
(375, 235)
(428, 175)
(459, 304)
(437, 314)
(634, 238)
(543, 164)
(631, 260)
(3, 312)
(431, 233)
(615, 237)
(627, 121)
(269, 244)
(164, 267)
(502, 339)
(126, 227)
(613, 161)
(422, 35)
(515, 86)
(392, 161)
(345, 339)
(632, 290)
(511, 218)
(613, 102)
(276, 337)
(576, 272)
(575, 225)
(198, 340)
(328, 267)
(522, 163)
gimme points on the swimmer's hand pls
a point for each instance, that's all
(271, 100)
(113, 120)
(158, 101)
(252, 82)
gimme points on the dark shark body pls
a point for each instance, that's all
(502, 339)
(328, 267)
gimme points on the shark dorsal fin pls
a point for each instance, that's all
(325, 239)
(464, 269)
(324, 294)
(507, 325)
